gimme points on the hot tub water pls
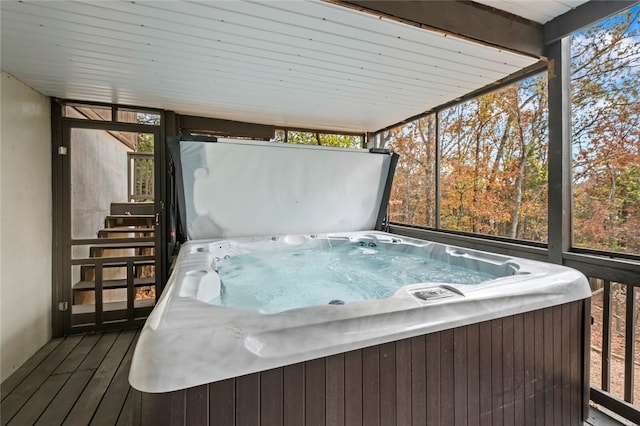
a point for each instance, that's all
(300, 277)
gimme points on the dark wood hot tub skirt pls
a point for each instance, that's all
(522, 369)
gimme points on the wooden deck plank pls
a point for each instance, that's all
(99, 351)
(77, 355)
(21, 394)
(109, 408)
(127, 414)
(21, 373)
(87, 404)
(62, 404)
(37, 404)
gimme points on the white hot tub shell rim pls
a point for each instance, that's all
(187, 342)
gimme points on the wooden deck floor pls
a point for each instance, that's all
(78, 380)
(83, 380)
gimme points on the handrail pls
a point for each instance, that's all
(619, 303)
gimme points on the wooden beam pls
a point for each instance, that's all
(465, 19)
(581, 16)
(219, 127)
(559, 208)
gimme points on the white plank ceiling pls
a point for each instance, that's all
(290, 63)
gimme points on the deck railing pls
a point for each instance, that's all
(140, 176)
(615, 331)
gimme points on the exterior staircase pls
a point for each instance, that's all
(125, 221)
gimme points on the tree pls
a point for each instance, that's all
(494, 163)
(606, 134)
(413, 194)
(319, 138)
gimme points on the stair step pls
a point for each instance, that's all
(119, 220)
(98, 251)
(131, 208)
(111, 284)
(86, 269)
(102, 233)
(112, 306)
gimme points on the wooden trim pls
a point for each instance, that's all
(606, 337)
(467, 20)
(57, 317)
(580, 17)
(190, 123)
(629, 344)
(559, 180)
(618, 406)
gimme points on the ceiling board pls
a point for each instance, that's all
(306, 64)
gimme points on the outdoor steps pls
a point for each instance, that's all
(105, 233)
(119, 220)
(128, 223)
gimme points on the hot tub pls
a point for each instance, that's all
(500, 339)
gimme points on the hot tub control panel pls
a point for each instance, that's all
(434, 293)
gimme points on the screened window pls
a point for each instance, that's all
(605, 70)
(493, 169)
(319, 138)
(413, 193)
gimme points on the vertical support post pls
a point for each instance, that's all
(57, 249)
(163, 196)
(99, 306)
(606, 337)
(629, 343)
(130, 184)
(437, 167)
(131, 294)
(559, 209)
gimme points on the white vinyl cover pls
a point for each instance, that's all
(241, 188)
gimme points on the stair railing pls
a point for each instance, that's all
(140, 176)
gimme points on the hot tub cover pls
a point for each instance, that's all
(237, 188)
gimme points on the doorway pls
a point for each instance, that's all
(107, 217)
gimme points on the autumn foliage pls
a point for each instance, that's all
(493, 152)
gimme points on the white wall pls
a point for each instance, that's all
(25, 223)
(98, 178)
